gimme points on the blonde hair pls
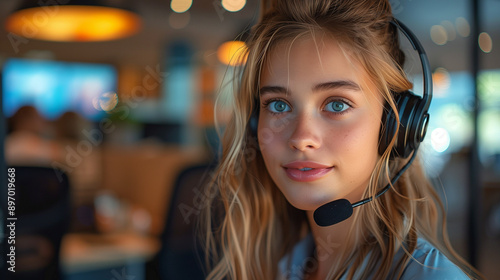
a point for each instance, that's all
(248, 225)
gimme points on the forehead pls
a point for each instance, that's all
(314, 57)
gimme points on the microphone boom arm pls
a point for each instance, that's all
(393, 181)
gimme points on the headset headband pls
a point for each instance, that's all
(426, 69)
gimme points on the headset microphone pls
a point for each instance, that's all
(339, 210)
(413, 121)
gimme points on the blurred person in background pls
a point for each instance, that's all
(30, 139)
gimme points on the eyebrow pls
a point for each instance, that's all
(347, 84)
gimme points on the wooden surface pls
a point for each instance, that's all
(86, 252)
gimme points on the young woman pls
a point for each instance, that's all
(319, 79)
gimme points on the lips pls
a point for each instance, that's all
(306, 171)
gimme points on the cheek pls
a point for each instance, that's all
(358, 141)
(271, 143)
(272, 137)
(271, 132)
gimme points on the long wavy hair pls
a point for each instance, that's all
(248, 225)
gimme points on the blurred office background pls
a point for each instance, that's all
(124, 117)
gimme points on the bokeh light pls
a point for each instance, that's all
(441, 81)
(232, 53)
(463, 27)
(179, 20)
(439, 35)
(233, 5)
(440, 139)
(105, 102)
(450, 29)
(489, 133)
(485, 42)
(181, 6)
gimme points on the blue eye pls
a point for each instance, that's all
(278, 106)
(337, 106)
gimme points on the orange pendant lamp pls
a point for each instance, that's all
(73, 20)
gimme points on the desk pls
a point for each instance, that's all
(116, 254)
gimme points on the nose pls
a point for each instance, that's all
(305, 135)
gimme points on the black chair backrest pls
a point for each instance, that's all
(181, 256)
(43, 208)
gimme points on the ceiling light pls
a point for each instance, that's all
(77, 20)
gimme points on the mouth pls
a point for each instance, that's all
(306, 171)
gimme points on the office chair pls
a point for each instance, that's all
(43, 217)
(181, 256)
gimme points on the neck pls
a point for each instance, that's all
(331, 243)
(334, 243)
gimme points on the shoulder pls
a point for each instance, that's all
(429, 263)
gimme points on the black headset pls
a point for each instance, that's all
(412, 109)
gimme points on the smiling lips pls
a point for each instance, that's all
(306, 171)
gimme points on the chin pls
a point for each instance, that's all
(307, 196)
(307, 202)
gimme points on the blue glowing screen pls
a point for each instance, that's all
(56, 87)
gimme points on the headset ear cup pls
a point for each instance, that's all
(415, 118)
(407, 105)
(388, 129)
(411, 122)
(253, 122)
